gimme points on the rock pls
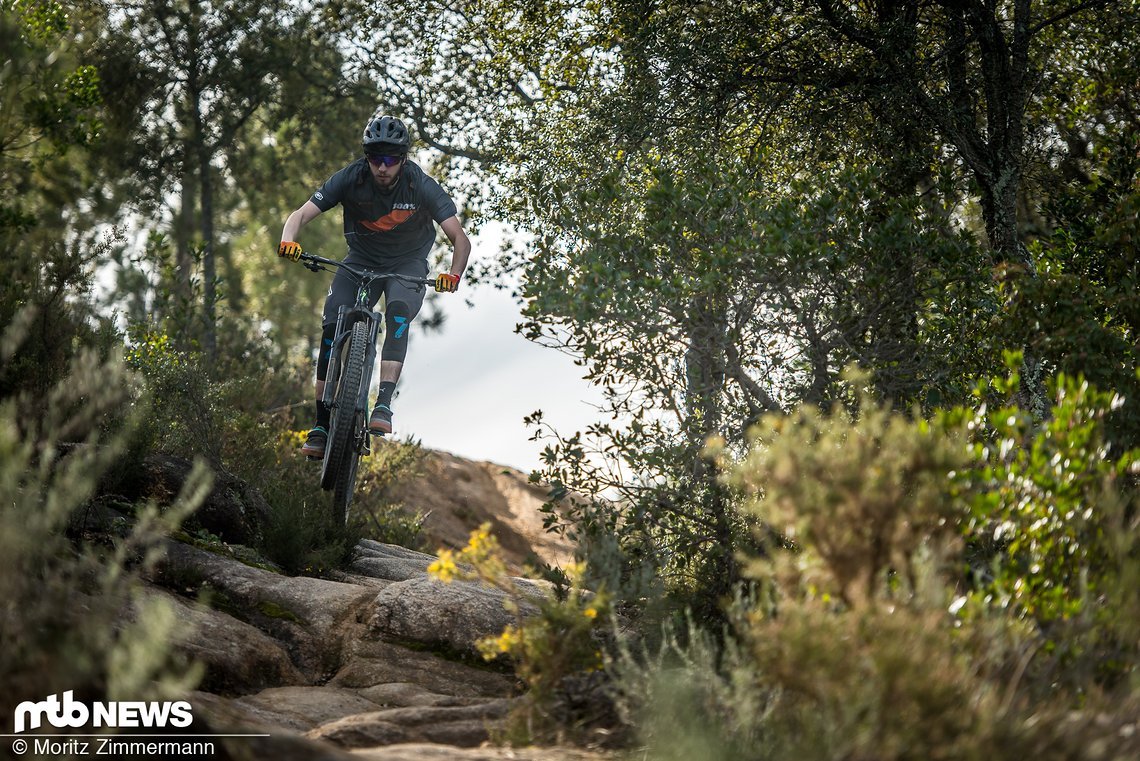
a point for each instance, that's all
(383, 659)
(457, 495)
(227, 717)
(370, 663)
(388, 561)
(239, 658)
(312, 618)
(435, 752)
(234, 510)
(402, 694)
(303, 708)
(451, 616)
(463, 726)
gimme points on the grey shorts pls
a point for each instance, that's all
(343, 288)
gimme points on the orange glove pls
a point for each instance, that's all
(289, 250)
(445, 283)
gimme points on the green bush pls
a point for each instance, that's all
(64, 598)
(242, 418)
(868, 637)
(381, 517)
(1051, 528)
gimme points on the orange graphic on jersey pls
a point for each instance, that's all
(390, 220)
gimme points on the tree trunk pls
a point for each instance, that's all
(999, 206)
(705, 378)
(209, 263)
(203, 156)
(184, 226)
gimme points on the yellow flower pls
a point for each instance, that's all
(590, 612)
(444, 568)
(505, 643)
(508, 639)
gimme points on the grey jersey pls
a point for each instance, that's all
(386, 226)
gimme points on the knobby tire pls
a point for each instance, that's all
(347, 423)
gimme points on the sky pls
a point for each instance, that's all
(466, 390)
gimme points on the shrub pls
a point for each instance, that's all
(64, 599)
(381, 517)
(861, 495)
(242, 423)
(546, 648)
(864, 639)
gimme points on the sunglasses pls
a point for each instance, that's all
(385, 160)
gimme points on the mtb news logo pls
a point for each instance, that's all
(69, 712)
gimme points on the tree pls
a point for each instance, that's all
(208, 69)
(726, 203)
(52, 113)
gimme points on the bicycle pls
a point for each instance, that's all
(352, 360)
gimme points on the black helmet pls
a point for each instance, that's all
(386, 133)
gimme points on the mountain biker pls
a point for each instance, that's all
(389, 206)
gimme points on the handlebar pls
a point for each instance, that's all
(318, 263)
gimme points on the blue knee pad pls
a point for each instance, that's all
(397, 322)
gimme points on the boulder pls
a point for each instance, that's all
(312, 618)
(457, 495)
(234, 510)
(239, 658)
(371, 663)
(389, 561)
(303, 708)
(449, 616)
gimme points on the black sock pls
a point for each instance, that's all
(323, 415)
(387, 388)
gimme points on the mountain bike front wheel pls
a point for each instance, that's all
(347, 423)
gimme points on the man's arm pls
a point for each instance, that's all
(460, 243)
(299, 219)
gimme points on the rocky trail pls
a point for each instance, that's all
(378, 664)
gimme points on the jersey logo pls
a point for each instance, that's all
(390, 220)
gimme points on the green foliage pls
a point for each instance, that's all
(303, 536)
(382, 518)
(705, 303)
(1051, 524)
(727, 204)
(692, 696)
(65, 599)
(181, 420)
(51, 107)
(858, 641)
(862, 496)
(223, 421)
(240, 417)
(46, 285)
(1083, 312)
